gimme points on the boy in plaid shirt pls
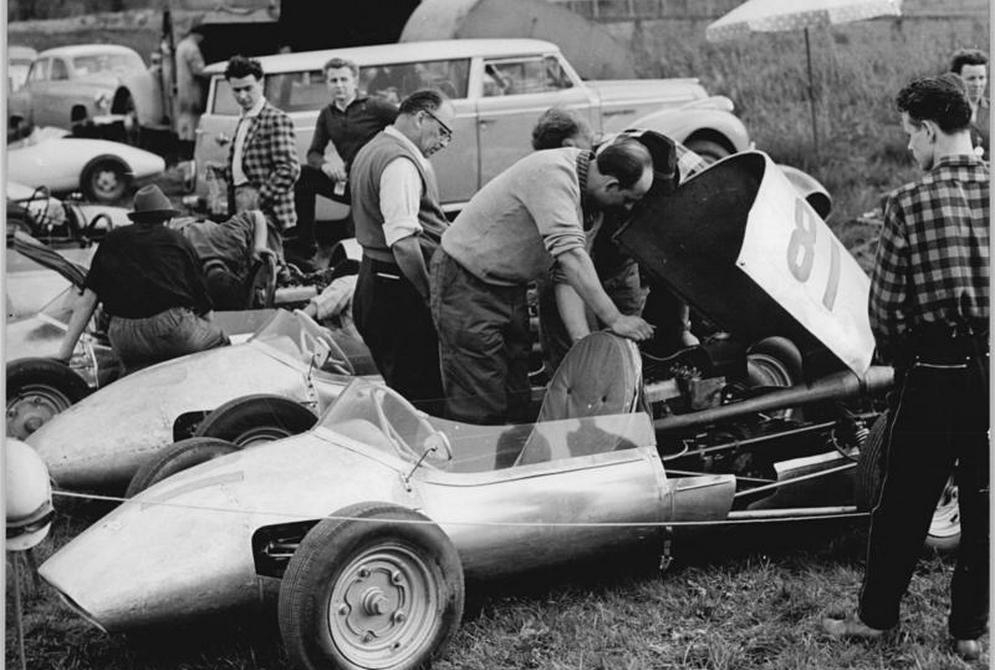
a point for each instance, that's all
(929, 313)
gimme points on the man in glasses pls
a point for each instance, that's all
(399, 222)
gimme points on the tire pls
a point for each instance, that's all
(347, 571)
(37, 390)
(175, 458)
(709, 151)
(775, 362)
(944, 531)
(255, 419)
(105, 179)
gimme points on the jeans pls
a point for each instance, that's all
(938, 427)
(169, 334)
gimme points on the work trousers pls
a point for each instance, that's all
(397, 327)
(169, 334)
(483, 345)
(937, 428)
(315, 182)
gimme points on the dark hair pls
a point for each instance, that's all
(553, 127)
(626, 160)
(964, 57)
(336, 63)
(942, 100)
(239, 66)
(421, 100)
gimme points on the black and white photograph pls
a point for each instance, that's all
(497, 334)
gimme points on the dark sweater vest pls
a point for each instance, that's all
(364, 177)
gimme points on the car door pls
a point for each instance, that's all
(514, 92)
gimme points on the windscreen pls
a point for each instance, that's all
(297, 335)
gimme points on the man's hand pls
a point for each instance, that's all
(259, 253)
(246, 198)
(334, 168)
(632, 327)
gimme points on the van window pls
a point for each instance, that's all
(394, 82)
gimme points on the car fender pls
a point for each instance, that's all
(710, 115)
(145, 91)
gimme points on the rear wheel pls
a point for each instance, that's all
(37, 390)
(361, 592)
(105, 180)
(944, 530)
(175, 458)
(255, 419)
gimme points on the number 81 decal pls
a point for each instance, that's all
(801, 253)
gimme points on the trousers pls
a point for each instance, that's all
(315, 182)
(396, 326)
(484, 344)
(937, 429)
(169, 334)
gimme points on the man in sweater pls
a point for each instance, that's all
(343, 127)
(399, 222)
(511, 233)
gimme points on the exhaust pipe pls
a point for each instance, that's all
(837, 386)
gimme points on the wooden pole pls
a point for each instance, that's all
(811, 95)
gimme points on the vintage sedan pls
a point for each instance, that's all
(366, 527)
(82, 84)
(101, 169)
(493, 125)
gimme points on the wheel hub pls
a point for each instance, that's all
(31, 409)
(382, 608)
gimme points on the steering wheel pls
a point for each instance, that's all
(89, 231)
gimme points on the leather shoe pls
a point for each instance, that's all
(852, 627)
(969, 650)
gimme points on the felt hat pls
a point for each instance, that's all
(151, 205)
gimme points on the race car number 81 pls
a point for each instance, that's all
(801, 253)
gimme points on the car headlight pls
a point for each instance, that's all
(102, 103)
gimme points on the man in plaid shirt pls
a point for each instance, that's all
(929, 312)
(262, 162)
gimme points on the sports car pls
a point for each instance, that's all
(366, 527)
(60, 223)
(291, 366)
(101, 169)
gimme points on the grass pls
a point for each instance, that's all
(740, 599)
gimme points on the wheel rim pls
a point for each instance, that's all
(382, 609)
(772, 372)
(260, 435)
(108, 184)
(33, 407)
(946, 518)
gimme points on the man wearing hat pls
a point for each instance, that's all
(152, 285)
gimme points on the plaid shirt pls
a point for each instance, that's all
(269, 160)
(932, 258)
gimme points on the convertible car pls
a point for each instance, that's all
(366, 527)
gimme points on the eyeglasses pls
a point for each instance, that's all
(446, 131)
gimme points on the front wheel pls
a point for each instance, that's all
(709, 151)
(175, 458)
(37, 390)
(361, 592)
(944, 529)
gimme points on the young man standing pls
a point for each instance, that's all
(971, 65)
(929, 309)
(343, 126)
(262, 163)
(399, 223)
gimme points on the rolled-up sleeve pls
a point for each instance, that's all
(400, 195)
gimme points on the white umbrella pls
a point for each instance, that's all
(768, 16)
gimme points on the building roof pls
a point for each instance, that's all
(382, 54)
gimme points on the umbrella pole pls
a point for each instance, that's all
(811, 95)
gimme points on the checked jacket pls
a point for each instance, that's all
(269, 160)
